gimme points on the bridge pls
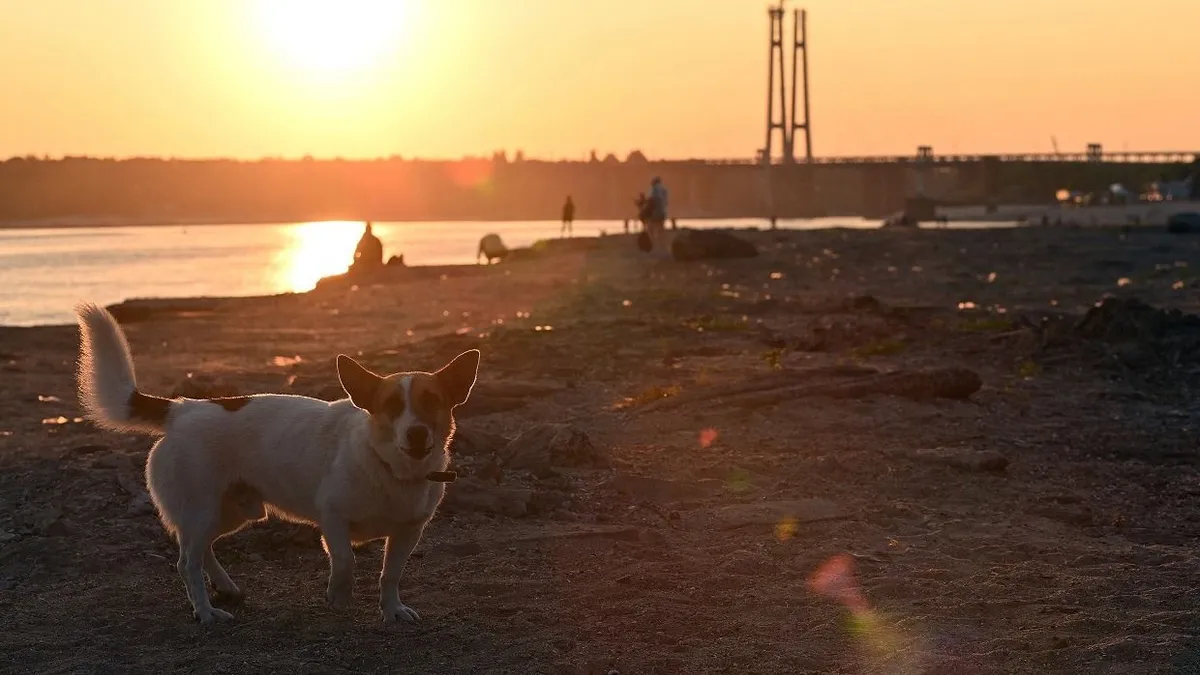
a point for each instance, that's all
(845, 186)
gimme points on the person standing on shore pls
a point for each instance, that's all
(568, 219)
(656, 222)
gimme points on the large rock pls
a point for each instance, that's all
(1187, 222)
(1129, 319)
(544, 446)
(472, 441)
(690, 245)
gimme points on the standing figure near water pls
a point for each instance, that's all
(368, 255)
(656, 216)
(568, 219)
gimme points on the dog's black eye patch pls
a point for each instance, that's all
(431, 401)
(393, 406)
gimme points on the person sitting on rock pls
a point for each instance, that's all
(368, 255)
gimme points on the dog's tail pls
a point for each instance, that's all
(107, 385)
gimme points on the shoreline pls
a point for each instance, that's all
(147, 307)
(62, 224)
(1142, 214)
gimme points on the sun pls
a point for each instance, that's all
(334, 37)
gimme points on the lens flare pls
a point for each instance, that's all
(885, 648)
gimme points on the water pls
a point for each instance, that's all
(44, 272)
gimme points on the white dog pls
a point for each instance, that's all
(369, 467)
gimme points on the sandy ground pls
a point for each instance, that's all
(1046, 523)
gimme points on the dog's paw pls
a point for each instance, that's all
(231, 596)
(400, 612)
(339, 599)
(212, 615)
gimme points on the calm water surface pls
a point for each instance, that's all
(44, 272)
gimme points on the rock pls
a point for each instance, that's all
(688, 245)
(544, 446)
(468, 495)
(472, 441)
(777, 512)
(6, 536)
(1187, 222)
(204, 386)
(1127, 319)
(962, 458)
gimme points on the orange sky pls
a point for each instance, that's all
(556, 78)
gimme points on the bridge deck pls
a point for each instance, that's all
(1138, 157)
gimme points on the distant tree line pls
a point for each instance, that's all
(279, 189)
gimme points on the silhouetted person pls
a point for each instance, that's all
(626, 226)
(368, 255)
(568, 218)
(656, 216)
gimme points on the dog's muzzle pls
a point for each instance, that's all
(418, 440)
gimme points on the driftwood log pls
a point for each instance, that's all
(951, 383)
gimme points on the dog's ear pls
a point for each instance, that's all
(360, 384)
(458, 376)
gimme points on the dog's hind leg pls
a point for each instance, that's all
(240, 506)
(195, 544)
(196, 536)
(219, 578)
(189, 512)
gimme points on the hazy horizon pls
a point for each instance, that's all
(252, 79)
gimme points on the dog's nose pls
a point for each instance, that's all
(418, 440)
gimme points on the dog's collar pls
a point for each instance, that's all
(432, 476)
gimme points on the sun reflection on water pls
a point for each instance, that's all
(316, 250)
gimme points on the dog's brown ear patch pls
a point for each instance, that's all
(458, 377)
(360, 384)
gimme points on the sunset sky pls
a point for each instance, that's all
(558, 78)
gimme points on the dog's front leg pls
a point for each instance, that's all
(395, 556)
(335, 536)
